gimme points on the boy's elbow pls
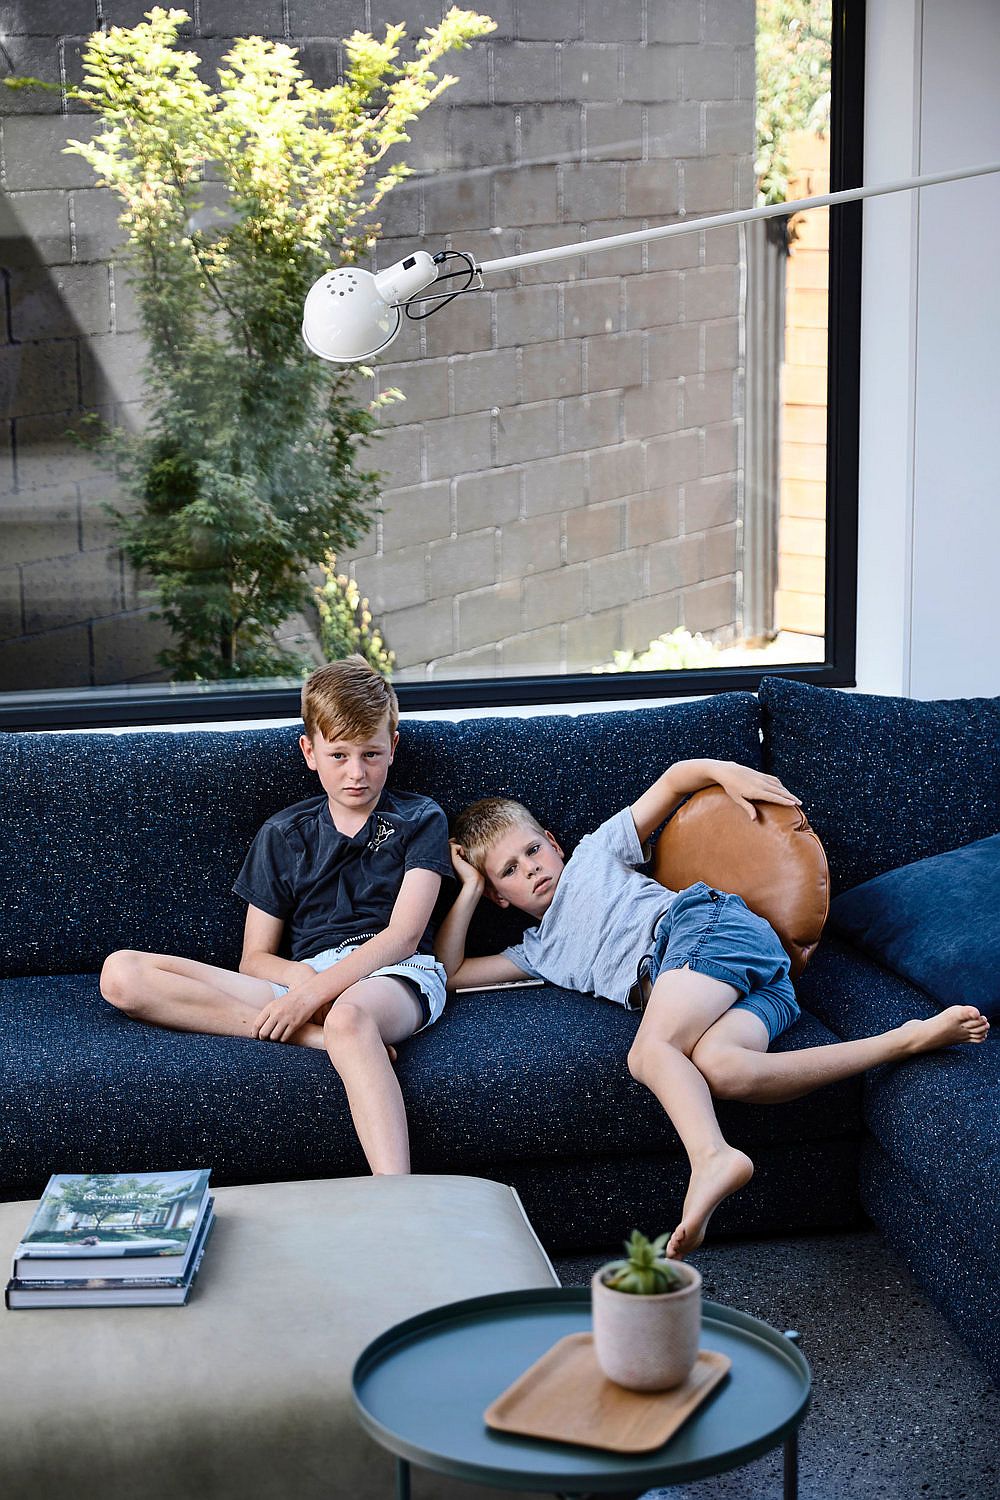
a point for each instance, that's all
(406, 936)
(450, 969)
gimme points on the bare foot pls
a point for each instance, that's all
(959, 1023)
(711, 1181)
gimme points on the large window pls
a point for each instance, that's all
(629, 474)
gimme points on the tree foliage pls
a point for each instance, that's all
(793, 84)
(234, 200)
(346, 624)
(675, 651)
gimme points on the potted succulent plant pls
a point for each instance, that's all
(647, 1316)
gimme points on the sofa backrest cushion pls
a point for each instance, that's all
(572, 771)
(884, 781)
(133, 841)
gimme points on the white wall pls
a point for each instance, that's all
(929, 539)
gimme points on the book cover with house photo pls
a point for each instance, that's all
(122, 1225)
(112, 1291)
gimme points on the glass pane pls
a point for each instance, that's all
(593, 465)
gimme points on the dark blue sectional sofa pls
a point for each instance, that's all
(133, 840)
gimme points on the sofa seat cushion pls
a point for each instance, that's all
(535, 1074)
(948, 1254)
(934, 1115)
(134, 840)
(550, 1067)
(936, 922)
(884, 781)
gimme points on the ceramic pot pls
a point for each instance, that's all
(647, 1343)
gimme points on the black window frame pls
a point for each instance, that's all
(165, 704)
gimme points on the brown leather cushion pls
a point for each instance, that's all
(775, 862)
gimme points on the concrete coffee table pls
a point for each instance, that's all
(422, 1387)
(244, 1394)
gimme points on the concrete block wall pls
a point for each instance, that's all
(564, 476)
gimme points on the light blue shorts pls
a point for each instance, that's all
(423, 971)
(717, 933)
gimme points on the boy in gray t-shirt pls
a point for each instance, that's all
(711, 976)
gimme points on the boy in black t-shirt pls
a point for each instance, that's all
(346, 882)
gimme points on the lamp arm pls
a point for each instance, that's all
(737, 216)
(352, 314)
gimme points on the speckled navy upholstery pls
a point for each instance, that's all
(936, 922)
(506, 1084)
(884, 781)
(947, 1252)
(934, 1115)
(134, 840)
(930, 1167)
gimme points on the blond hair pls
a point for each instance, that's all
(479, 826)
(348, 700)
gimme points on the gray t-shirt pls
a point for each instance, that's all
(602, 916)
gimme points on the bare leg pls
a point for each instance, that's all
(185, 995)
(362, 1024)
(732, 1054)
(682, 1007)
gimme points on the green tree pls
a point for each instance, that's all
(234, 201)
(793, 84)
(346, 624)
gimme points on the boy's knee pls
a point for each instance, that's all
(647, 1044)
(121, 978)
(726, 1070)
(637, 1055)
(346, 1024)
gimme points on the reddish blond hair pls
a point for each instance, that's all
(348, 700)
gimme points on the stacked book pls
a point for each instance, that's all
(130, 1240)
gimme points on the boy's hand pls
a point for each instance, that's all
(747, 786)
(281, 1019)
(469, 876)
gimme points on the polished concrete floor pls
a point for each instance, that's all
(900, 1408)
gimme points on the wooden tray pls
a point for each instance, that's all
(566, 1397)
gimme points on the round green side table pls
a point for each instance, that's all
(420, 1390)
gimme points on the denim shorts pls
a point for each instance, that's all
(422, 970)
(717, 934)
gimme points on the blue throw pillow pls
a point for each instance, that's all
(936, 922)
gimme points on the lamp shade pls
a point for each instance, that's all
(346, 317)
(351, 314)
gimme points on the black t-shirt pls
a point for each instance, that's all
(329, 888)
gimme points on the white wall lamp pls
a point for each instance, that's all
(351, 314)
